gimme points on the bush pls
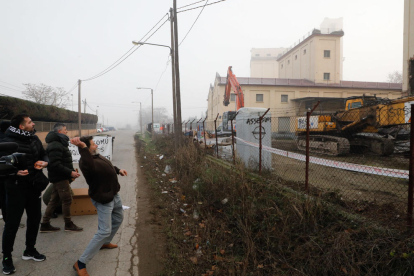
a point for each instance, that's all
(39, 112)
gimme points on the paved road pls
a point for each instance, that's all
(62, 249)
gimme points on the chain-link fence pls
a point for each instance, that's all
(358, 158)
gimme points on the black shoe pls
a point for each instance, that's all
(32, 254)
(54, 215)
(47, 228)
(8, 267)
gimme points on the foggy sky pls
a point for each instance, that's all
(58, 42)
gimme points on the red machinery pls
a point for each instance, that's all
(233, 84)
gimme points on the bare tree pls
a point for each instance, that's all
(160, 115)
(395, 77)
(45, 94)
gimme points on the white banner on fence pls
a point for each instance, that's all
(334, 164)
(104, 148)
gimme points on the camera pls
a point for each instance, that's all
(10, 164)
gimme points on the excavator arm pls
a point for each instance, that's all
(233, 84)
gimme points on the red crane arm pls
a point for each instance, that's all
(233, 84)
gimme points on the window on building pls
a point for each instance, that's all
(327, 53)
(232, 97)
(259, 98)
(269, 55)
(296, 57)
(257, 55)
(289, 61)
(326, 76)
(284, 99)
(284, 124)
(304, 52)
(281, 66)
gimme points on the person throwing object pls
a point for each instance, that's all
(102, 179)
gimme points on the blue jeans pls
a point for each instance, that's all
(110, 216)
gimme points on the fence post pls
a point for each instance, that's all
(204, 134)
(411, 173)
(260, 140)
(197, 127)
(215, 131)
(308, 114)
(232, 139)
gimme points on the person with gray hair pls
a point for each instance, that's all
(61, 173)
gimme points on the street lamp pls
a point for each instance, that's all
(140, 115)
(144, 43)
(152, 107)
(176, 108)
(97, 110)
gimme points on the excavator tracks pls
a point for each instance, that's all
(323, 144)
(332, 145)
(377, 145)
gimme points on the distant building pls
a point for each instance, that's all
(317, 56)
(291, 80)
(263, 62)
(292, 97)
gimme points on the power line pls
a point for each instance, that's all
(127, 54)
(162, 74)
(13, 89)
(201, 6)
(190, 4)
(73, 87)
(12, 84)
(193, 23)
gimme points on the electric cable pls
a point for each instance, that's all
(202, 6)
(73, 87)
(193, 24)
(128, 53)
(12, 84)
(190, 4)
(13, 89)
(162, 74)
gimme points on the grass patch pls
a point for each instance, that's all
(221, 221)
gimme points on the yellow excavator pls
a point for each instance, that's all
(371, 123)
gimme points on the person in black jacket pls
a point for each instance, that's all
(3, 127)
(61, 172)
(22, 193)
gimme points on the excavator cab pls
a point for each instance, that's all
(356, 102)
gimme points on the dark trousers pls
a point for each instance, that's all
(20, 198)
(61, 196)
(3, 200)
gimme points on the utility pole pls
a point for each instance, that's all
(140, 117)
(79, 108)
(176, 133)
(177, 74)
(152, 111)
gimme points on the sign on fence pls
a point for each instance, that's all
(314, 120)
(104, 148)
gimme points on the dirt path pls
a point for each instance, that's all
(151, 240)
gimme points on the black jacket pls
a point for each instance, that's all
(60, 166)
(30, 145)
(100, 175)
